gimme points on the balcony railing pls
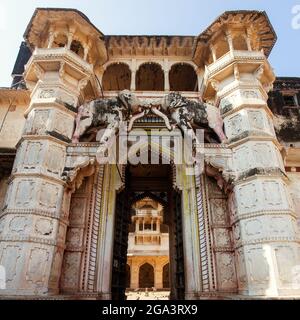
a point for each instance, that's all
(229, 57)
(57, 54)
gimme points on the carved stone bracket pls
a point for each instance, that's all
(83, 166)
(218, 164)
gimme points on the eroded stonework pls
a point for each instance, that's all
(236, 222)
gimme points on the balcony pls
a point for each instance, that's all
(254, 58)
(53, 59)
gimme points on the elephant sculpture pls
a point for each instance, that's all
(174, 109)
(189, 114)
(101, 112)
(107, 113)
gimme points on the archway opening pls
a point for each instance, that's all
(183, 77)
(148, 230)
(222, 47)
(239, 42)
(146, 276)
(116, 77)
(77, 47)
(150, 77)
(60, 41)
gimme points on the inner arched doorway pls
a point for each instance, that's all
(154, 182)
(146, 276)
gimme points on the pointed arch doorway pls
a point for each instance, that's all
(154, 181)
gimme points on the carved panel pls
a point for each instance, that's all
(56, 266)
(37, 265)
(32, 154)
(67, 98)
(256, 119)
(253, 227)
(9, 259)
(49, 195)
(226, 271)
(222, 258)
(63, 124)
(218, 211)
(285, 258)
(242, 159)
(241, 268)
(24, 193)
(258, 266)
(55, 159)
(279, 226)
(234, 125)
(263, 155)
(77, 208)
(19, 224)
(272, 193)
(247, 196)
(222, 237)
(46, 93)
(74, 238)
(39, 124)
(44, 227)
(71, 269)
(250, 94)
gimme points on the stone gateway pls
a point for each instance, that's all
(224, 226)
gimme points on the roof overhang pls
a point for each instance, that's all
(258, 21)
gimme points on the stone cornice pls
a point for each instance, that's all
(43, 137)
(40, 175)
(267, 240)
(37, 212)
(49, 103)
(256, 138)
(260, 213)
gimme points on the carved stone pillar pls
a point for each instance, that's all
(230, 40)
(134, 278)
(158, 273)
(262, 215)
(34, 226)
(166, 79)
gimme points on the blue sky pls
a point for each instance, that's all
(169, 17)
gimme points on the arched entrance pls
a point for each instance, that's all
(156, 182)
(183, 78)
(146, 276)
(116, 77)
(150, 77)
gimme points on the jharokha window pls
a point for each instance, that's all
(290, 100)
(116, 77)
(150, 76)
(183, 78)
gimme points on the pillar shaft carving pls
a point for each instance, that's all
(261, 211)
